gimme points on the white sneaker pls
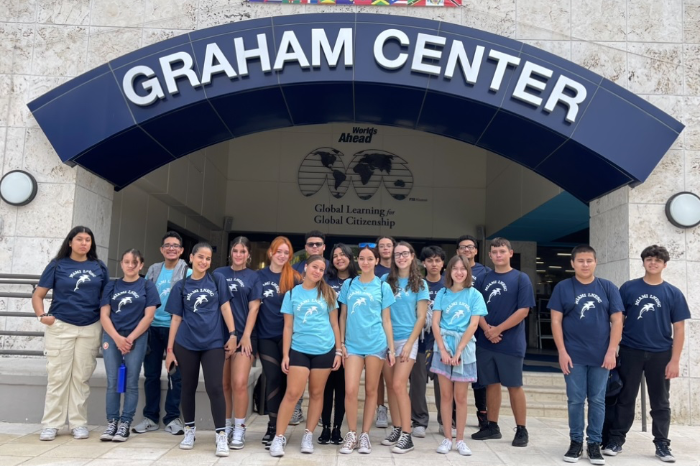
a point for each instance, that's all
(382, 417)
(238, 437)
(365, 445)
(418, 431)
(307, 442)
(188, 442)
(349, 444)
(174, 427)
(445, 446)
(47, 434)
(221, 444)
(277, 446)
(463, 448)
(80, 433)
(146, 425)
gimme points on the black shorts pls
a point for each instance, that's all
(312, 361)
(493, 367)
(253, 343)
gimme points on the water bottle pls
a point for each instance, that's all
(121, 379)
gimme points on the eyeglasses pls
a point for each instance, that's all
(402, 254)
(367, 245)
(171, 246)
(314, 245)
(467, 248)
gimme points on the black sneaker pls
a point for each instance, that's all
(492, 431)
(404, 444)
(336, 437)
(109, 432)
(483, 420)
(594, 455)
(521, 437)
(393, 437)
(612, 449)
(663, 452)
(122, 432)
(269, 435)
(574, 453)
(325, 437)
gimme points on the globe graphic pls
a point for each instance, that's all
(323, 166)
(370, 168)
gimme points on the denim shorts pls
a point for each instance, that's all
(381, 354)
(468, 370)
(399, 344)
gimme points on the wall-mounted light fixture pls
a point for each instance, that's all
(18, 188)
(683, 210)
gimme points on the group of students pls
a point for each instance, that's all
(323, 322)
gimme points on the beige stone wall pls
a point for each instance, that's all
(650, 47)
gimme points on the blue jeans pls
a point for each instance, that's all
(152, 369)
(133, 360)
(586, 382)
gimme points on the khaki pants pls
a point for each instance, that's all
(70, 361)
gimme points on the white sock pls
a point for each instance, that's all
(239, 421)
(228, 422)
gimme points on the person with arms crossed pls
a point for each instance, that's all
(652, 342)
(164, 274)
(500, 340)
(587, 327)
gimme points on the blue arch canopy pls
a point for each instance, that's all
(145, 109)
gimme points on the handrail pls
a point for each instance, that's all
(13, 279)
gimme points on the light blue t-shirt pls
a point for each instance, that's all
(312, 332)
(458, 308)
(163, 317)
(364, 332)
(403, 311)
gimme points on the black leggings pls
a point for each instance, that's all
(335, 383)
(270, 353)
(212, 362)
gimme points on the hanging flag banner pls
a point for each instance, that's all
(427, 3)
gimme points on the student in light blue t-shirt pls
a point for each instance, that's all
(310, 348)
(456, 312)
(366, 333)
(407, 321)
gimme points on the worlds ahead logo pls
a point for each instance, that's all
(368, 170)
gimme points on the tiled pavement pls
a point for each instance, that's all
(19, 444)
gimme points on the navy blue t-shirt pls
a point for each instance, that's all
(336, 283)
(505, 293)
(586, 321)
(428, 338)
(129, 301)
(299, 266)
(202, 327)
(651, 311)
(77, 289)
(270, 320)
(243, 287)
(380, 270)
(479, 270)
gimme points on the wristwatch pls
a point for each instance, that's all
(43, 315)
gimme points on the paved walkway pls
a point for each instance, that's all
(19, 444)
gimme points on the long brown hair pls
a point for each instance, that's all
(289, 276)
(415, 279)
(448, 272)
(324, 289)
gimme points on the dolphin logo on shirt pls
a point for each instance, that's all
(457, 315)
(125, 300)
(588, 305)
(233, 287)
(268, 293)
(312, 310)
(200, 300)
(165, 293)
(359, 302)
(646, 308)
(82, 279)
(495, 292)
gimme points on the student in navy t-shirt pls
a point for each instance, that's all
(500, 340)
(311, 349)
(433, 259)
(314, 245)
(128, 307)
(467, 247)
(275, 280)
(583, 308)
(244, 288)
(652, 342)
(202, 332)
(72, 338)
(385, 246)
(342, 268)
